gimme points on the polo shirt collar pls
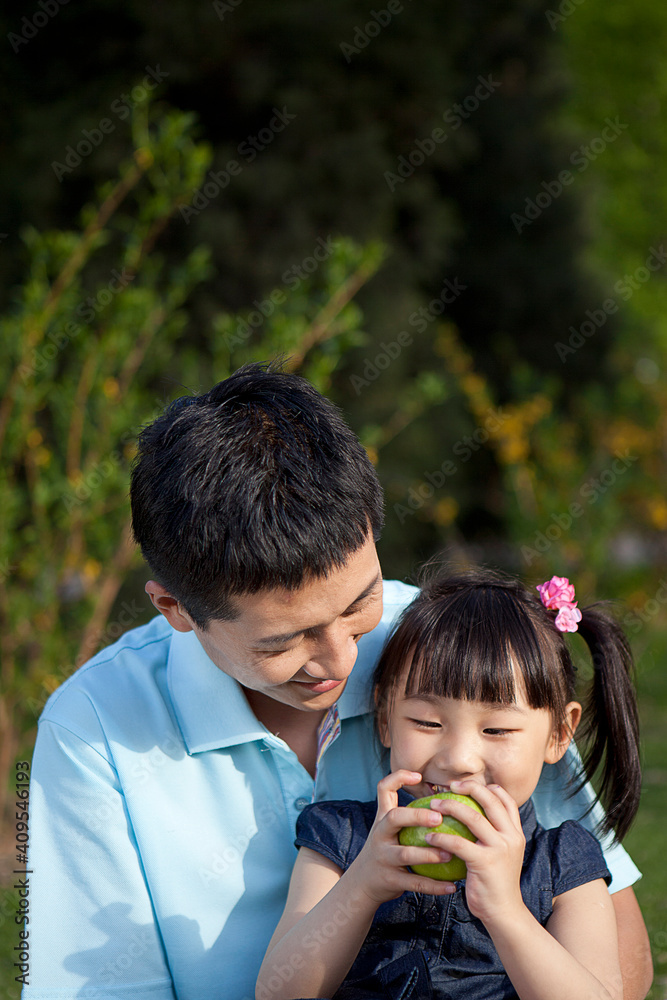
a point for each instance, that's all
(211, 708)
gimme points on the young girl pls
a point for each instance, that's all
(474, 693)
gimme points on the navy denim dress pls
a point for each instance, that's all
(424, 947)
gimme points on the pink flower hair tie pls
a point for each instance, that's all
(557, 594)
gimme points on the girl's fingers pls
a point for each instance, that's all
(459, 847)
(429, 886)
(403, 816)
(479, 825)
(389, 786)
(500, 808)
(408, 856)
(510, 805)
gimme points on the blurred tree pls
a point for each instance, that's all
(88, 349)
(620, 79)
(425, 126)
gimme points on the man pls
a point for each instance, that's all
(169, 770)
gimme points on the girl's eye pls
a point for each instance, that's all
(497, 732)
(426, 725)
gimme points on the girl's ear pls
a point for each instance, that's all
(562, 737)
(383, 731)
(381, 718)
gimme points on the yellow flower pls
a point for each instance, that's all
(624, 435)
(110, 388)
(445, 511)
(657, 510)
(473, 384)
(513, 450)
(92, 569)
(42, 456)
(42, 620)
(143, 157)
(34, 438)
(372, 454)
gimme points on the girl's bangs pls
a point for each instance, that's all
(469, 645)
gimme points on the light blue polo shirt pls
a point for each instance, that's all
(163, 817)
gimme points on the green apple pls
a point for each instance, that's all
(415, 836)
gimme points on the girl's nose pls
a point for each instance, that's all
(460, 759)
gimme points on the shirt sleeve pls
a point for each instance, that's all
(576, 858)
(337, 830)
(84, 864)
(555, 803)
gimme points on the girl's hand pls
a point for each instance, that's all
(494, 862)
(380, 868)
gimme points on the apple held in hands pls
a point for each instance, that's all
(415, 836)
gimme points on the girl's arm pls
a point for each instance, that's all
(319, 935)
(329, 913)
(634, 948)
(577, 953)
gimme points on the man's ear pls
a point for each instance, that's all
(562, 737)
(167, 605)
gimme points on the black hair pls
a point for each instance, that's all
(460, 638)
(258, 483)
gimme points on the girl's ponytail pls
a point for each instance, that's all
(610, 720)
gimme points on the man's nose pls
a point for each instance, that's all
(334, 656)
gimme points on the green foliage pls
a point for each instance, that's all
(97, 305)
(97, 345)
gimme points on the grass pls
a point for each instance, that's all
(646, 842)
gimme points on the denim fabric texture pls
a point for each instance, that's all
(422, 946)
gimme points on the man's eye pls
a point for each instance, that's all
(355, 609)
(277, 652)
(363, 605)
